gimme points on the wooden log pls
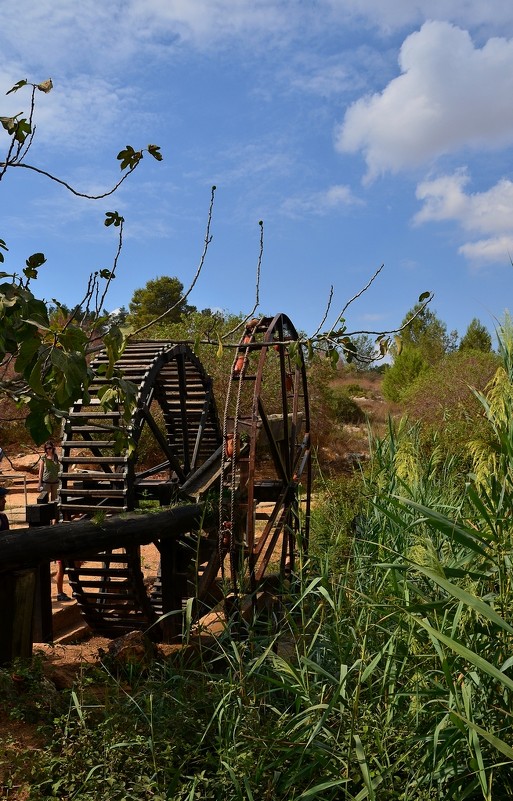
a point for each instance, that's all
(29, 547)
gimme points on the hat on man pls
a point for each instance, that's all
(3, 491)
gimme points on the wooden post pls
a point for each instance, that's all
(22, 552)
(43, 623)
(42, 514)
(174, 589)
(17, 593)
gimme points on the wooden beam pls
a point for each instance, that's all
(29, 547)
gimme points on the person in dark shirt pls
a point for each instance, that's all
(4, 521)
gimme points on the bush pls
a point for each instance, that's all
(444, 400)
(356, 391)
(406, 368)
(338, 504)
(345, 409)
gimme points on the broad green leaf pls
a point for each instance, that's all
(35, 377)
(28, 349)
(472, 601)
(36, 421)
(466, 653)
(23, 129)
(17, 86)
(496, 742)
(36, 260)
(129, 157)
(113, 218)
(154, 150)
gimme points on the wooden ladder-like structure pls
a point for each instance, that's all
(257, 461)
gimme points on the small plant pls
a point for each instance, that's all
(345, 409)
(356, 391)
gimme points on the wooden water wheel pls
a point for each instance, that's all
(267, 471)
(175, 428)
(258, 461)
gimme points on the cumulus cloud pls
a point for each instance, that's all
(329, 200)
(450, 95)
(488, 213)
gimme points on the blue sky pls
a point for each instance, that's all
(361, 132)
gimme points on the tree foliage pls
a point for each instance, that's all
(424, 342)
(443, 398)
(427, 333)
(476, 337)
(160, 296)
(399, 377)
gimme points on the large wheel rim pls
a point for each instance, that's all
(269, 498)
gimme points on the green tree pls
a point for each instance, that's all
(443, 398)
(476, 337)
(160, 296)
(407, 367)
(427, 333)
(424, 342)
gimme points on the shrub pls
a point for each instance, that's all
(356, 391)
(401, 375)
(443, 398)
(345, 409)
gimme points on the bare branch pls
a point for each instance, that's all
(185, 295)
(248, 316)
(68, 186)
(425, 303)
(328, 307)
(364, 289)
(112, 275)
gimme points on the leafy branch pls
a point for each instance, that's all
(22, 130)
(44, 357)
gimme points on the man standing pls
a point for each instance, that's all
(4, 522)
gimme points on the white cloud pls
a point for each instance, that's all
(450, 95)
(400, 13)
(207, 21)
(80, 36)
(321, 203)
(489, 213)
(496, 249)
